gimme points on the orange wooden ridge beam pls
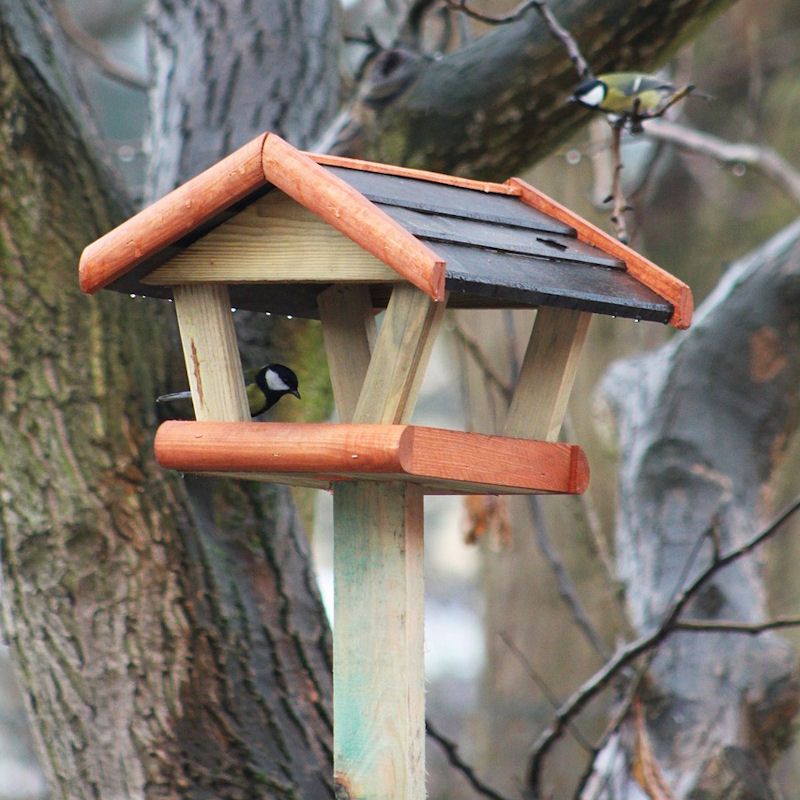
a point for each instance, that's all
(444, 459)
(347, 210)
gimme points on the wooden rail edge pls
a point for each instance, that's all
(347, 210)
(646, 272)
(441, 460)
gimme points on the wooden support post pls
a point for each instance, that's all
(548, 371)
(401, 354)
(211, 352)
(378, 671)
(348, 328)
(378, 630)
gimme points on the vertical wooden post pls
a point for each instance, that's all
(378, 670)
(211, 352)
(378, 627)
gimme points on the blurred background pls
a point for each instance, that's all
(497, 629)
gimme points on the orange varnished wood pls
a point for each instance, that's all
(173, 216)
(416, 174)
(444, 458)
(347, 210)
(646, 272)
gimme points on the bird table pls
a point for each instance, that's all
(271, 228)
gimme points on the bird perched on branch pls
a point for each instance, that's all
(629, 96)
(264, 387)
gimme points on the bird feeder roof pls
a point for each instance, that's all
(487, 245)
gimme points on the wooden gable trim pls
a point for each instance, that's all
(646, 272)
(347, 210)
(173, 216)
(414, 174)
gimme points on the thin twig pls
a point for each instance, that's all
(542, 686)
(512, 16)
(565, 37)
(731, 626)
(450, 749)
(764, 159)
(619, 203)
(566, 587)
(94, 50)
(482, 361)
(643, 644)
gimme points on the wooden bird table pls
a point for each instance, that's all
(270, 228)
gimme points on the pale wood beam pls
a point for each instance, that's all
(548, 371)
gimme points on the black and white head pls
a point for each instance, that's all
(590, 93)
(276, 380)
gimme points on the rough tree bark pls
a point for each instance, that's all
(703, 423)
(171, 646)
(160, 655)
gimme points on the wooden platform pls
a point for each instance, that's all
(322, 454)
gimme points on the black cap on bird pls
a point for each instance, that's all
(264, 387)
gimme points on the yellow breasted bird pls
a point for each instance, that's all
(624, 93)
(264, 387)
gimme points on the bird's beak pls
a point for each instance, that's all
(296, 393)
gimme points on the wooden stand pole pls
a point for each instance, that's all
(378, 669)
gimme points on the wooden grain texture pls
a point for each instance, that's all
(211, 352)
(445, 459)
(378, 647)
(401, 353)
(654, 277)
(548, 370)
(348, 211)
(172, 217)
(349, 333)
(273, 240)
(416, 174)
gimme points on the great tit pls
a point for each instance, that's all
(624, 93)
(264, 387)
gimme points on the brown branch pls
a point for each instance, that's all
(90, 47)
(764, 159)
(620, 204)
(542, 686)
(643, 644)
(565, 37)
(566, 588)
(512, 16)
(450, 749)
(731, 626)
(481, 360)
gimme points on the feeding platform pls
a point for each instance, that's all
(274, 229)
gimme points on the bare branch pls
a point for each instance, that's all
(643, 644)
(620, 204)
(565, 37)
(512, 16)
(481, 360)
(566, 587)
(542, 686)
(764, 159)
(90, 47)
(731, 626)
(450, 749)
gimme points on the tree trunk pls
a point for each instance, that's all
(159, 654)
(697, 456)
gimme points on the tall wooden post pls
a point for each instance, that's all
(378, 627)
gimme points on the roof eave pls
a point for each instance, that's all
(665, 285)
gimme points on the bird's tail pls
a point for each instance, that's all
(168, 398)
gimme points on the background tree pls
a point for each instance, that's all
(168, 634)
